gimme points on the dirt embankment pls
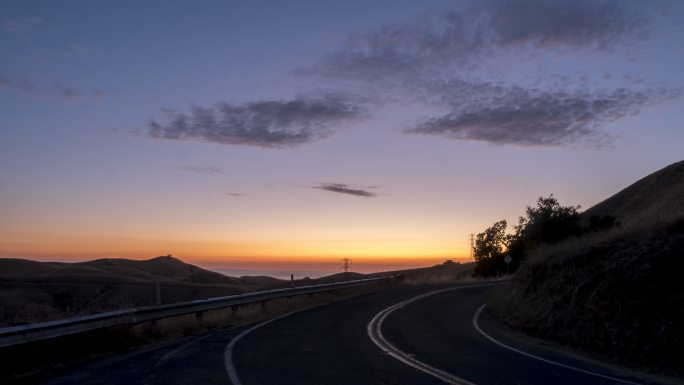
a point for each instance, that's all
(621, 298)
(618, 294)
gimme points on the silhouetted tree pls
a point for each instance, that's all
(549, 222)
(489, 249)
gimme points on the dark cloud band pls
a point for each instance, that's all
(463, 40)
(518, 116)
(345, 189)
(262, 124)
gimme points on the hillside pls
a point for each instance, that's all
(657, 197)
(616, 294)
(444, 272)
(163, 269)
(33, 291)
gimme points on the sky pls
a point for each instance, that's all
(272, 134)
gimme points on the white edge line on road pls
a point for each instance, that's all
(374, 330)
(476, 324)
(228, 352)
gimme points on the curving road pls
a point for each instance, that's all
(336, 344)
(442, 331)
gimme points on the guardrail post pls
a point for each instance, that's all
(157, 288)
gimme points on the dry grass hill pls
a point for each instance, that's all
(658, 197)
(34, 291)
(618, 293)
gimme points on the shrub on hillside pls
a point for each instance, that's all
(546, 223)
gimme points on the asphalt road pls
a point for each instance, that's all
(330, 345)
(324, 345)
(439, 330)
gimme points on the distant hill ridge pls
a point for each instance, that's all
(656, 197)
(32, 291)
(164, 268)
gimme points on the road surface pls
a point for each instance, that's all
(331, 345)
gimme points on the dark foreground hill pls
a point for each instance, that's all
(618, 294)
(32, 291)
(35, 291)
(659, 197)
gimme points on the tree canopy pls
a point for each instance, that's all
(490, 246)
(547, 222)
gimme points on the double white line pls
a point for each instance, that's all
(374, 330)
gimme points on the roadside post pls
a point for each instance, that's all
(157, 288)
(508, 260)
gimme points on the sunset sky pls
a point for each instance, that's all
(271, 133)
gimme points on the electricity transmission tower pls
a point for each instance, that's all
(471, 242)
(346, 265)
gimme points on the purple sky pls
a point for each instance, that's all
(314, 130)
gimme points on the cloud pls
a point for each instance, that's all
(67, 92)
(345, 189)
(465, 39)
(202, 170)
(430, 63)
(21, 85)
(236, 195)
(427, 61)
(520, 116)
(20, 25)
(572, 23)
(274, 124)
(26, 86)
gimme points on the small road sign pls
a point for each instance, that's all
(508, 259)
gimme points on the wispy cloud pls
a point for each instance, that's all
(21, 85)
(599, 24)
(25, 24)
(236, 195)
(431, 62)
(26, 86)
(345, 189)
(465, 39)
(211, 170)
(426, 61)
(275, 124)
(514, 115)
(67, 92)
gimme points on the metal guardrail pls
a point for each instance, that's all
(16, 335)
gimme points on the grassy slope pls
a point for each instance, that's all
(34, 291)
(618, 294)
(659, 197)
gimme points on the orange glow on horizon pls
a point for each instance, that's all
(216, 255)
